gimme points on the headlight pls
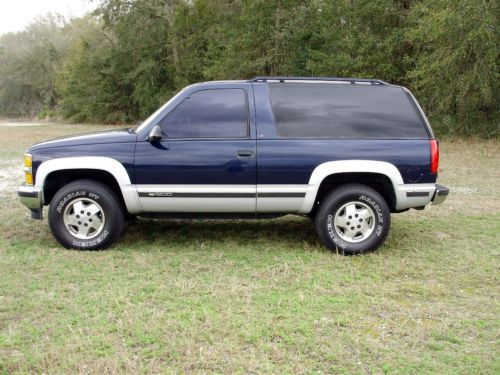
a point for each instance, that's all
(28, 172)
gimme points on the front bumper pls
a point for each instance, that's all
(440, 194)
(32, 198)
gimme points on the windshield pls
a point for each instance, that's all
(156, 113)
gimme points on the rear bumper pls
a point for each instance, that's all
(440, 194)
(32, 198)
(420, 195)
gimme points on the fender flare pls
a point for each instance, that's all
(112, 166)
(348, 166)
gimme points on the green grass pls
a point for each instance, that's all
(258, 296)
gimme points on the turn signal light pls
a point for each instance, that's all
(28, 173)
(28, 161)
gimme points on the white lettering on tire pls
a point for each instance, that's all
(332, 235)
(70, 196)
(93, 242)
(375, 206)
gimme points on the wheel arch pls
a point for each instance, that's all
(381, 176)
(377, 181)
(55, 173)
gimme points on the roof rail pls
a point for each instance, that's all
(327, 79)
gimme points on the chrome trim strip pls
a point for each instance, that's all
(218, 195)
(411, 194)
(281, 195)
(27, 194)
(194, 195)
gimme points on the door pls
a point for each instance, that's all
(206, 160)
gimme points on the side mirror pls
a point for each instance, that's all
(155, 134)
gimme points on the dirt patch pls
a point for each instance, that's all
(11, 176)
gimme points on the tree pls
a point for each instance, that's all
(121, 63)
(360, 39)
(455, 67)
(261, 38)
(29, 61)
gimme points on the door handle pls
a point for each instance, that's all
(246, 153)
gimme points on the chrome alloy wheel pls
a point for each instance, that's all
(84, 218)
(354, 222)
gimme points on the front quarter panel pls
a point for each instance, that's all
(121, 152)
(115, 158)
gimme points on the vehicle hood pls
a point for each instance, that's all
(108, 136)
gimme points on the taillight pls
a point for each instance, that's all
(434, 155)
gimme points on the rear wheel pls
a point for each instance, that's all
(86, 215)
(353, 219)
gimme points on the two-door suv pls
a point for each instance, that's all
(345, 152)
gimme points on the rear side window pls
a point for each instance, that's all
(319, 110)
(209, 114)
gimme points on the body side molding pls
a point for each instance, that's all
(222, 198)
(349, 166)
(112, 166)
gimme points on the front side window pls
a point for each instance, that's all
(219, 113)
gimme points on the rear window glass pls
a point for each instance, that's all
(321, 110)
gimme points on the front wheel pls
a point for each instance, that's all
(353, 219)
(86, 215)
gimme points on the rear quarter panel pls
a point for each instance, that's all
(292, 161)
(287, 161)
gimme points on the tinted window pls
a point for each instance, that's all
(209, 114)
(316, 110)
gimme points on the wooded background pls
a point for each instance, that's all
(120, 63)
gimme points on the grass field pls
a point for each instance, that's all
(257, 296)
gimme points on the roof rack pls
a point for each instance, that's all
(321, 79)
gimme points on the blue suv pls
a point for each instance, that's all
(345, 152)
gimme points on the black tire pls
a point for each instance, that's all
(96, 197)
(362, 198)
